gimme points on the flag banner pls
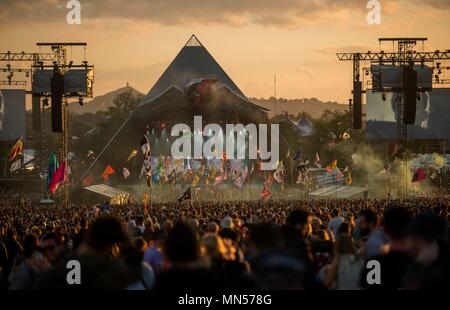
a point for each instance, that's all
(355, 158)
(108, 171)
(53, 165)
(15, 149)
(331, 166)
(16, 165)
(218, 180)
(59, 177)
(345, 136)
(349, 180)
(418, 176)
(88, 180)
(396, 150)
(132, 154)
(185, 196)
(279, 173)
(147, 165)
(297, 155)
(125, 172)
(145, 201)
(265, 192)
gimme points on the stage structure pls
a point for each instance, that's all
(194, 84)
(406, 98)
(51, 75)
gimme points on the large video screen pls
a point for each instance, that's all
(12, 114)
(432, 115)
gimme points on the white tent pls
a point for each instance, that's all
(116, 196)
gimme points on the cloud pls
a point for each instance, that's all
(278, 13)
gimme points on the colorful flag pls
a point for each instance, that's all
(265, 192)
(15, 149)
(349, 180)
(331, 166)
(419, 175)
(279, 173)
(145, 201)
(132, 154)
(147, 165)
(108, 171)
(59, 177)
(88, 180)
(16, 165)
(53, 165)
(297, 155)
(396, 150)
(218, 180)
(195, 180)
(126, 173)
(185, 196)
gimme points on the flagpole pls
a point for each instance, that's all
(21, 177)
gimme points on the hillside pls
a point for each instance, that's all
(313, 106)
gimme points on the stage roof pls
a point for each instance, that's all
(339, 191)
(106, 190)
(192, 62)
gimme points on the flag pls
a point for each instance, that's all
(355, 158)
(132, 154)
(126, 173)
(419, 175)
(339, 174)
(15, 149)
(16, 165)
(349, 180)
(185, 196)
(195, 180)
(147, 165)
(145, 201)
(88, 180)
(279, 173)
(332, 165)
(218, 180)
(265, 192)
(297, 155)
(269, 180)
(59, 177)
(396, 150)
(345, 136)
(53, 165)
(108, 171)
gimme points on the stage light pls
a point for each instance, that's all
(383, 97)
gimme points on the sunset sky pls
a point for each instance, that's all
(134, 41)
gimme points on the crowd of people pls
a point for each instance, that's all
(320, 244)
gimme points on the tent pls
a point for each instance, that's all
(116, 196)
(192, 65)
